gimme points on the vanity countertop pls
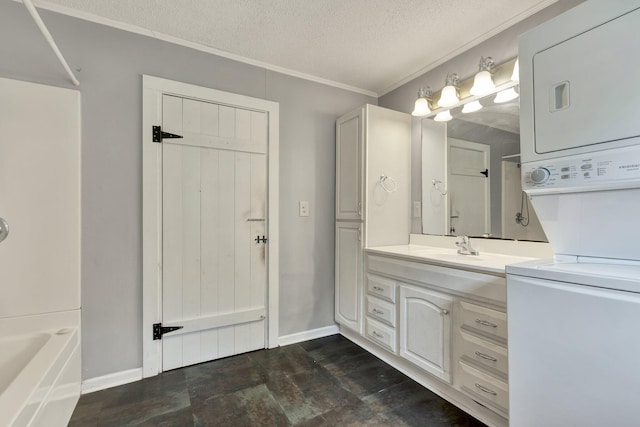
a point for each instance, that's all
(486, 262)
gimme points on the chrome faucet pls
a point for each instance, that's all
(464, 246)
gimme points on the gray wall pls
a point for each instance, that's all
(501, 47)
(112, 62)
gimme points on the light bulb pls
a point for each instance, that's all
(448, 97)
(471, 107)
(506, 96)
(515, 76)
(482, 84)
(421, 107)
(443, 116)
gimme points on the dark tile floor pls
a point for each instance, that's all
(324, 382)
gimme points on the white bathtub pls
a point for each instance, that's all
(39, 369)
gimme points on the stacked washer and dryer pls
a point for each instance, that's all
(574, 320)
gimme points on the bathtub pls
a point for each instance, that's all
(39, 369)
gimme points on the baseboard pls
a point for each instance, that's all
(111, 380)
(308, 335)
(132, 375)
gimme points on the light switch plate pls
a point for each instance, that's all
(303, 208)
(417, 209)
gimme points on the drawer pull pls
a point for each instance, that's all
(376, 334)
(378, 288)
(486, 356)
(485, 323)
(486, 390)
(376, 311)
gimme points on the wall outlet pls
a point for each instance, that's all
(303, 208)
(417, 209)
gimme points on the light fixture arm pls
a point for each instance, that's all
(452, 80)
(486, 64)
(425, 93)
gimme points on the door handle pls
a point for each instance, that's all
(259, 239)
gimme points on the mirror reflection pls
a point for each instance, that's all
(471, 175)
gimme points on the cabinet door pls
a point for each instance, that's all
(425, 330)
(349, 145)
(348, 274)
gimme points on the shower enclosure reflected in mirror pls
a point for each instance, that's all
(471, 175)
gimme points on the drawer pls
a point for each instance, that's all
(451, 280)
(483, 387)
(381, 334)
(381, 287)
(381, 310)
(483, 352)
(486, 320)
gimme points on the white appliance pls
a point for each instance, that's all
(574, 320)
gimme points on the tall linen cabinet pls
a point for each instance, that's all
(373, 178)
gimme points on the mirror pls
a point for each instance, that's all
(471, 175)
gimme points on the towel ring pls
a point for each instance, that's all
(383, 182)
(437, 184)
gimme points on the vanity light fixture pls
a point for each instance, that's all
(506, 95)
(449, 94)
(483, 82)
(470, 107)
(443, 116)
(422, 107)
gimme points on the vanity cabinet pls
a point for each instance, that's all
(349, 162)
(444, 327)
(425, 329)
(348, 279)
(481, 355)
(381, 313)
(373, 146)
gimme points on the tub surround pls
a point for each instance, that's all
(40, 258)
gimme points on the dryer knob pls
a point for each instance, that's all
(540, 175)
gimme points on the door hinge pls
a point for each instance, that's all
(159, 135)
(159, 330)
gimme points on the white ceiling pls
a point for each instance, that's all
(367, 45)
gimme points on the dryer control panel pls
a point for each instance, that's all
(587, 172)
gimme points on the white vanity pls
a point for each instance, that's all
(441, 318)
(438, 316)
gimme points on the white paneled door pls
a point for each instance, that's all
(470, 207)
(214, 188)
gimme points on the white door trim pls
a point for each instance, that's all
(152, 90)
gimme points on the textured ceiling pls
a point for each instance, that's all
(368, 44)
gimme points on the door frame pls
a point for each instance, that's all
(153, 88)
